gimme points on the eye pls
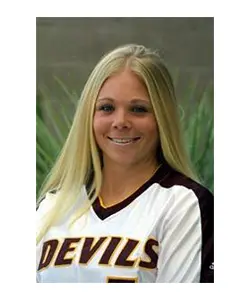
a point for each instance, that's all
(139, 109)
(106, 107)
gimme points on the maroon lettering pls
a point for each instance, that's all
(48, 251)
(110, 250)
(88, 249)
(151, 254)
(65, 249)
(122, 259)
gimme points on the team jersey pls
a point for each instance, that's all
(163, 232)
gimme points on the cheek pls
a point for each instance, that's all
(99, 127)
(96, 129)
(153, 136)
(151, 129)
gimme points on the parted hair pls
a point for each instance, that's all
(79, 163)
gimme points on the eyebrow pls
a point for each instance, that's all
(134, 100)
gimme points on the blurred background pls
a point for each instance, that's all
(69, 48)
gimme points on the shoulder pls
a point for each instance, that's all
(44, 199)
(51, 198)
(44, 207)
(181, 185)
(183, 197)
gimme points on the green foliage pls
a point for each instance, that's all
(198, 124)
(52, 127)
(53, 124)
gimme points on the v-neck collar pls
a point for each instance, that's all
(104, 212)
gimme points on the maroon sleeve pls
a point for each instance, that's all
(206, 201)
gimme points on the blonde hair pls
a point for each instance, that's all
(79, 163)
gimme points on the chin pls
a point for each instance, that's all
(121, 160)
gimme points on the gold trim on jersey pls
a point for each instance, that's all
(129, 194)
(121, 279)
(101, 202)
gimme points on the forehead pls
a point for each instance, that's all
(124, 85)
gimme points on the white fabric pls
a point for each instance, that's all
(171, 216)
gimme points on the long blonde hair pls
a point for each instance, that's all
(79, 163)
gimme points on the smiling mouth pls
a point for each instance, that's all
(124, 141)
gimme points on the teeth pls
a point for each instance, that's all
(122, 141)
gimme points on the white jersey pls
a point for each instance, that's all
(161, 233)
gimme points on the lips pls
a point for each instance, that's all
(124, 140)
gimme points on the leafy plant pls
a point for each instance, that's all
(199, 132)
(52, 126)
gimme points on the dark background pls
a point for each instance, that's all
(69, 48)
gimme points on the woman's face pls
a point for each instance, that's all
(124, 124)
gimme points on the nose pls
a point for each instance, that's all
(121, 120)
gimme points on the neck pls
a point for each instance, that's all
(121, 181)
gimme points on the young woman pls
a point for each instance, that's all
(122, 203)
